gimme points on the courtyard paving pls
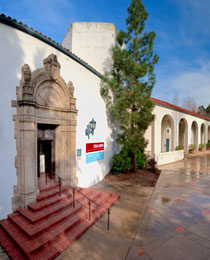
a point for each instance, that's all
(176, 223)
(170, 222)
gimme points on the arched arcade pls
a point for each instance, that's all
(183, 134)
(167, 134)
(194, 134)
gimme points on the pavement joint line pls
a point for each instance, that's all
(198, 241)
(147, 254)
(116, 235)
(139, 225)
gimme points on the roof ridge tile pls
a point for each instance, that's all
(164, 103)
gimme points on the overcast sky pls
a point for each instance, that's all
(182, 36)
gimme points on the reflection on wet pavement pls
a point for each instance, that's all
(176, 224)
(165, 200)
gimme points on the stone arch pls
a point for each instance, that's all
(203, 134)
(52, 95)
(167, 134)
(183, 134)
(46, 108)
(194, 134)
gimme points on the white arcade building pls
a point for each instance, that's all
(53, 117)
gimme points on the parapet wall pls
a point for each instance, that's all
(92, 42)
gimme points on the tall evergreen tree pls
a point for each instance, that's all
(207, 110)
(128, 86)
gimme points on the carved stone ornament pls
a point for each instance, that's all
(27, 89)
(43, 98)
(71, 88)
(26, 74)
(52, 66)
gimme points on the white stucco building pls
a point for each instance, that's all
(46, 108)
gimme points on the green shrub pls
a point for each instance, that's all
(192, 146)
(208, 145)
(151, 165)
(179, 147)
(201, 145)
(141, 160)
(122, 162)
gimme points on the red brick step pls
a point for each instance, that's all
(34, 228)
(66, 194)
(51, 209)
(10, 246)
(50, 225)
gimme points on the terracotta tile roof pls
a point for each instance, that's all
(181, 109)
(24, 27)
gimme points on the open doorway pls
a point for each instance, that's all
(46, 150)
(46, 161)
(167, 134)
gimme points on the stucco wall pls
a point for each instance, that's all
(176, 116)
(148, 137)
(169, 157)
(18, 48)
(92, 42)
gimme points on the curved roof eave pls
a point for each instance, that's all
(24, 28)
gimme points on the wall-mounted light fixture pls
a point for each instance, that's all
(90, 128)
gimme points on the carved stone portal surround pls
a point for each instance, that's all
(43, 97)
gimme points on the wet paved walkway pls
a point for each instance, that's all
(176, 224)
(171, 224)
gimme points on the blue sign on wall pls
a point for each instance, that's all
(79, 152)
(93, 157)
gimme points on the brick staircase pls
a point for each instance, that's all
(49, 226)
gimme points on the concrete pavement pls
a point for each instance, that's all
(176, 223)
(98, 243)
(171, 222)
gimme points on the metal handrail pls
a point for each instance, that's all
(59, 181)
(89, 199)
(89, 203)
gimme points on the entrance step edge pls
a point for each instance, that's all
(51, 209)
(65, 194)
(35, 228)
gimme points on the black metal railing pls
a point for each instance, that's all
(89, 205)
(89, 199)
(59, 180)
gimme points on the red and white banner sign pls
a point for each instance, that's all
(94, 147)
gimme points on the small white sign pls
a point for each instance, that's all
(42, 163)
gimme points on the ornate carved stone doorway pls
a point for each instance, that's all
(44, 102)
(46, 149)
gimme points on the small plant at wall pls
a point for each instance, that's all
(201, 147)
(192, 147)
(208, 146)
(179, 147)
(151, 166)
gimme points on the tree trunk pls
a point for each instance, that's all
(134, 162)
